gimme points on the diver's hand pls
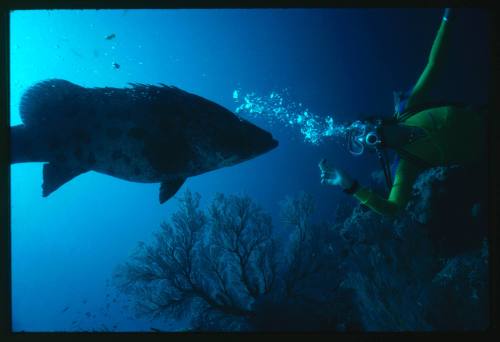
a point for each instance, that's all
(334, 176)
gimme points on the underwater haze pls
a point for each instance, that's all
(300, 74)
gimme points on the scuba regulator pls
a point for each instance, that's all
(368, 135)
(361, 135)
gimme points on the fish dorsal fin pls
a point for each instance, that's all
(48, 101)
(169, 188)
(55, 175)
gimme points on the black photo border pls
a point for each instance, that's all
(5, 238)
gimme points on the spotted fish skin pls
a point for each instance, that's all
(141, 133)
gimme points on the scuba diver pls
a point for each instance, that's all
(422, 134)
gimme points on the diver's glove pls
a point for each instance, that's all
(336, 176)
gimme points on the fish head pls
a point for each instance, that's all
(242, 141)
(220, 137)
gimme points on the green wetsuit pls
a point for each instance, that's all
(454, 135)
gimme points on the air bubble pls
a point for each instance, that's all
(276, 107)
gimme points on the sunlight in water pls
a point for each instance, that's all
(276, 107)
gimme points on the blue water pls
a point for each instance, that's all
(300, 74)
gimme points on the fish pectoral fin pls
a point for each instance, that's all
(169, 188)
(55, 175)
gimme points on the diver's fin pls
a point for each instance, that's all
(23, 147)
(169, 188)
(55, 175)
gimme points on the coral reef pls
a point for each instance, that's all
(427, 269)
(224, 268)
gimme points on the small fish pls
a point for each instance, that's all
(65, 309)
(76, 53)
(110, 36)
(115, 65)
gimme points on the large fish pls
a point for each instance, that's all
(142, 133)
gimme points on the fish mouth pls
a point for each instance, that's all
(274, 144)
(268, 146)
(271, 145)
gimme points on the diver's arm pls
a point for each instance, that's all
(401, 189)
(434, 64)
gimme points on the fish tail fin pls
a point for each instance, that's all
(23, 148)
